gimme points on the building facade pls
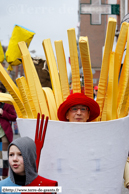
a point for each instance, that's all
(93, 18)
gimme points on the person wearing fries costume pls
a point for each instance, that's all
(111, 97)
(78, 108)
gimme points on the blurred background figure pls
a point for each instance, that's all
(15, 126)
(7, 115)
(95, 92)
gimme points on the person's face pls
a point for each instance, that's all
(16, 160)
(95, 92)
(78, 113)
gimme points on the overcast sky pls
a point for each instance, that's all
(47, 18)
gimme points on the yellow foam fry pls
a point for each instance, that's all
(51, 103)
(104, 113)
(105, 63)
(13, 53)
(41, 97)
(123, 89)
(1, 54)
(26, 97)
(30, 82)
(122, 108)
(126, 110)
(121, 81)
(28, 94)
(120, 46)
(60, 55)
(7, 98)
(33, 81)
(125, 106)
(112, 89)
(12, 89)
(86, 64)
(74, 60)
(53, 71)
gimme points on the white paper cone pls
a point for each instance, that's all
(83, 157)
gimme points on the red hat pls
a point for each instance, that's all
(96, 88)
(75, 99)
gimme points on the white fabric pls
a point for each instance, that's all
(83, 157)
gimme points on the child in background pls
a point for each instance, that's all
(22, 162)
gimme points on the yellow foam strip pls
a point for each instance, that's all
(105, 63)
(120, 46)
(28, 74)
(86, 64)
(126, 110)
(12, 89)
(28, 94)
(112, 89)
(51, 103)
(30, 82)
(104, 113)
(41, 97)
(120, 85)
(74, 60)
(60, 55)
(26, 97)
(7, 98)
(33, 81)
(123, 105)
(53, 71)
(123, 84)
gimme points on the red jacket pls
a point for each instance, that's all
(41, 181)
(9, 114)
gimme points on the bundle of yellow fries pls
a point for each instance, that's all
(29, 98)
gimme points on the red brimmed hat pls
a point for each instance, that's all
(78, 99)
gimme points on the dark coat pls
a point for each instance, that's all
(9, 114)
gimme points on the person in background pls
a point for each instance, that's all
(15, 128)
(95, 92)
(126, 173)
(7, 114)
(78, 108)
(22, 162)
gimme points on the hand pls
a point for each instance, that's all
(1, 111)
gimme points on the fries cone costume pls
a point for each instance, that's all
(84, 151)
